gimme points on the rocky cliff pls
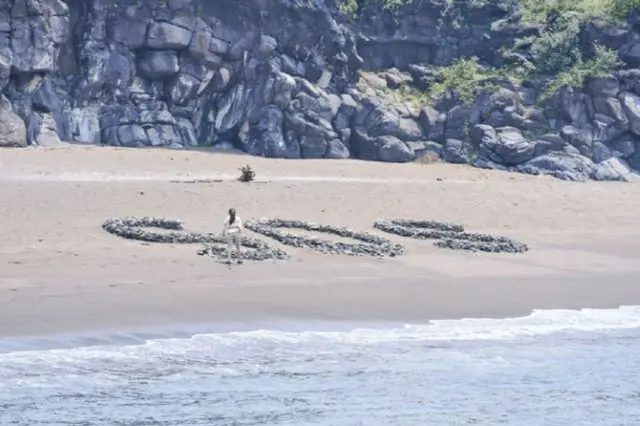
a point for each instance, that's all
(496, 84)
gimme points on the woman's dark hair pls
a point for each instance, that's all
(232, 216)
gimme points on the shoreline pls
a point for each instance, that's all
(363, 293)
(63, 273)
(126, 334)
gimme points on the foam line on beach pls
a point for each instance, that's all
(539, 322)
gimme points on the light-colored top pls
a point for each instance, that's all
(234, 228)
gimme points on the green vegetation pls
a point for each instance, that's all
(469, 79)
(465, 77)
(556, 52)
(558, 47)
(350, 7)
(535, 11)
(603, 61)
(412, 95)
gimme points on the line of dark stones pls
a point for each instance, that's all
(372, 245)
(133, 228)
(450, 236)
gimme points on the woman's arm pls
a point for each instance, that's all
(225, 227)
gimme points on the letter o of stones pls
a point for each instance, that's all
(132, 228)
(450, 236)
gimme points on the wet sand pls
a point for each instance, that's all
(62, 273)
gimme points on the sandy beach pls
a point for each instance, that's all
(62, 273)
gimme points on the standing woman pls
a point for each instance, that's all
(233, 231)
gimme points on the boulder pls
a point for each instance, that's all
(159, 64)
(547, 143)
(131, 136)
(601, 152)
(573, 167)
(13, 132)
(432, 123)
(163, 135)
(456, 125)
(455, 152)
(6, 60)
(46, 132)
(186, 132)
(625, 146)
(631, 105)
(266, 46)
(422, 149)
(569, 104)
(611, 107)
(182, 88)
(337, 150)
(604, 87)
(165, 35)
(613, 169)
(630, 53)
(634, 160)
(505, 145)
(483, 163)
(388, 149)
(580, 138)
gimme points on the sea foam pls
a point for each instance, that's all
(539, 322)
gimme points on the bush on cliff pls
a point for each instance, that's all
(464, 76)
(556, 55)
(352, 7)
(603, 61)
(533, 11)
(614, 11)
(558, 47)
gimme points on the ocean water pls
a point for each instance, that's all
(556, 367)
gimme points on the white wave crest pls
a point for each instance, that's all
(539, 322)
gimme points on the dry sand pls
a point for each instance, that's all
(60, 272)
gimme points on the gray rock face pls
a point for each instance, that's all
(281, 78)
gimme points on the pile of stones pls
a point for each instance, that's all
(259, 251)
(450, 236)
(372, 245)
(173, 232)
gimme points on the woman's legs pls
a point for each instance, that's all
(229, 247)
(238, 241)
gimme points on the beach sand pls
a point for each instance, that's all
(62, 273)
